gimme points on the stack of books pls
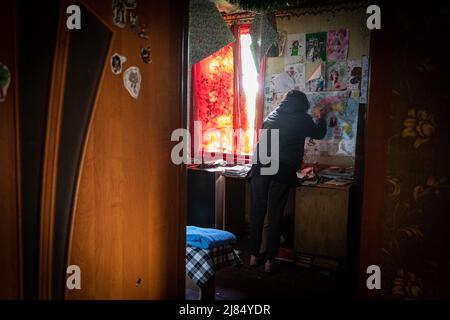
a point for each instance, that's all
(285, 254)
(303, 260)
(337, 173)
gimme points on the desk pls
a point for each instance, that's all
(216, 200)
(234, 205)
(205, 198)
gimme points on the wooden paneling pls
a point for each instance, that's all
(321, 221)
(128, 210)
(9, 166)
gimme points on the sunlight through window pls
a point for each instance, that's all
(250, 85)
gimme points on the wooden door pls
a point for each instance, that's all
(112, 199)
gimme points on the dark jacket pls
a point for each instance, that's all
(294, 126)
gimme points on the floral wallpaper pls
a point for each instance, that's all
(416, 242)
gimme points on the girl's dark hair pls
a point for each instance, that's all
(296, 100)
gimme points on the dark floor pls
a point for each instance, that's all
(288, 281)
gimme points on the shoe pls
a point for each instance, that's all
(268, 267)
(253, 261)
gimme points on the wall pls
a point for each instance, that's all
(352, 19)
(416, 244)
(9, 181)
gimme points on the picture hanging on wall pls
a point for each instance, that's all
(132, 81)
(297, 73)
(364, 78)
(295, 51)
(316, 47)
(341, 118)
(281, 42)
(5, 81)
(315, 77)
(283, 83)
(337, 45)
(354, 73)
(277, 49)
(336, 75)
(272, 97)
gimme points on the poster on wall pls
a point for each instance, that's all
(297, 73)
(316, 47)
(364, 78)
(354, 74)
(337, 45)
(281, 42)
(283, 83)
(132, 81)
(349, 123)
(336, 75)
(295, 51)
(272, 97)
(341, 118)
(315, 77)
(5, 81)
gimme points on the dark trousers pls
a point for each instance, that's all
(268, 197)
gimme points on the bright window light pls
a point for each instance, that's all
(250, 85)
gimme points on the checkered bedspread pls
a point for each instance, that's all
(201, 264)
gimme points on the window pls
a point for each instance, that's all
(225, 91)
(250, 86)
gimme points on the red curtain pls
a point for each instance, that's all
(218, 99)
(213, 100)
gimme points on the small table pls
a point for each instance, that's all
(202, 265)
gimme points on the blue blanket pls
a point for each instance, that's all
(204, 238)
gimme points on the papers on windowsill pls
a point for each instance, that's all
(218, 169)
(237, 171)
